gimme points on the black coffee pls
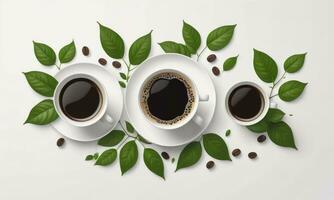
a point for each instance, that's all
(80, 99)
(167, 98)
(246, 102)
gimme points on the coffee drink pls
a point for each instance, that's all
(167, 98)
(80, 99)
(246, 102)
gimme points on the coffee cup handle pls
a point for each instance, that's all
(107, 118)
(198, 120)
(203, 97)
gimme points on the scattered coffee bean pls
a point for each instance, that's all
(215, 71)
(211, 58)
(236, 152)
(252, 155)
(60, 142)
(102, 61)
(116, 64)
(85, 51)
(290, 114)
(210, 164)
(165, 155)
(261, 138)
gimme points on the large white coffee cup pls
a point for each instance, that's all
(100, 114)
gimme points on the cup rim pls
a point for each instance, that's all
(88, 122)
(264, 110)
(181, 122)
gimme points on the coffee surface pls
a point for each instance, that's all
(245, 102)
(80, 99)
(167, 98)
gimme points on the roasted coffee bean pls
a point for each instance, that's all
(215, 71)
(116, 64)
(236, 152)
(165, 155)
(252, 155)
(85, 51)
(261, 138)
(102, 61)
(211, 58)
(60, 142)
(210, 164)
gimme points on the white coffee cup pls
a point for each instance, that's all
(99, 115)
(192, 116)
(264, 109)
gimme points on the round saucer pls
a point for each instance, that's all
(114, 109)
(189, 131)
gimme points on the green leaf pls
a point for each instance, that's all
(281, 134)
(43, 113)
(230, 63)
(89, 157)
(44, 54)
(96, 156)
(228, 133)
(265, 67)
(140, 138)
(41, 82)
(220, 37)
(260, 127)
(113, 138)
(140, 49)
(173, 47)
(129, 127)
(215, 146)
(294, 63)
(122, 75)
(107, 157)
(291, 90)
(275, 115)
(191, 37)
(190, 155)
(154, 162)
(67, 53)
(122, 84)
(128, 156)
(111, 42)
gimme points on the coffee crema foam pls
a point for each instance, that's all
(145, 93)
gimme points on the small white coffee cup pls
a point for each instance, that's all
(100, 114)
(264, 109)
(192, 116)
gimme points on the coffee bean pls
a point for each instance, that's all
(165, 155)
(210, 164)
(211, 58)
(236, 152)
(85, 51)
(116, 64)
(60, 142)
(261, 138)
(252, 155)
(215, 71)
(102, 61)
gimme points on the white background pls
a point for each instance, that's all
(33, 167)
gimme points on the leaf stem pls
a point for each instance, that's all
(274, 84)
(58, 66)
(134, 137)
(128, 66)
(273, 96)
(199, 55)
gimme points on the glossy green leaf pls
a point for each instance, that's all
(190, 155)
(43, 113)
(173, 47)
(44, 54)
(230, 63)
(96, 156)
(113, 138)
(107, 157)
(291, 90)
(122, 84)
(111, 42)
(260, 127)
(140, 49)
(67, 53)
(122, 75)
(128, 156)
(228, 133)
(265, 67)
(191, 37)
(129, 127)
(275, 115)
(41, 82)
(154, 162)
(294, 63)
(281, 134)
(89, 157)
(215, 146)
(220, 37)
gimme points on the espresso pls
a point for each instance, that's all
(246, 102)
(80, 99)
(167, 98)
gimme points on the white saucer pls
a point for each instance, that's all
(114, 109)
(191, 130)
